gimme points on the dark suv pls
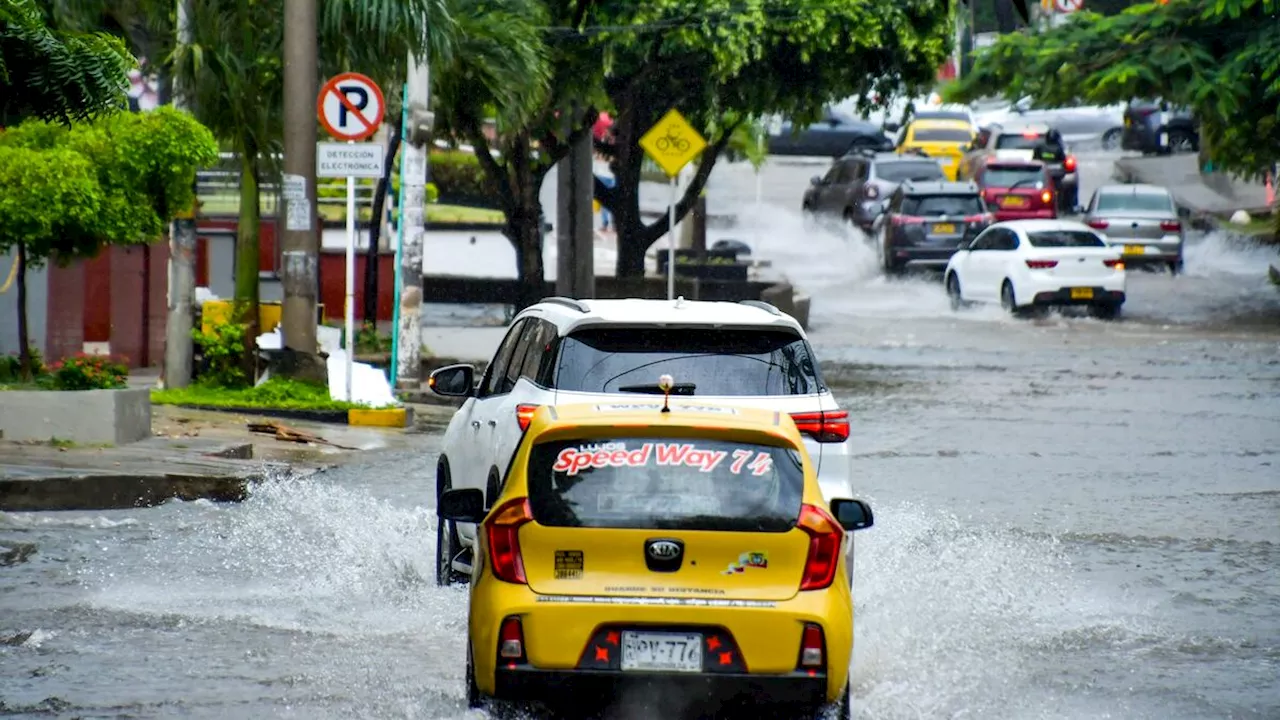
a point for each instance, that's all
(1152, 127)
(857, 186)
(926, 222)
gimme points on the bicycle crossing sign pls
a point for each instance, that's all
(672, 143)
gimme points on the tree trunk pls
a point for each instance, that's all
(624, 202)
(1006, 20)
(375, 230)
(24, 340)
(247, 230)
(524, 225)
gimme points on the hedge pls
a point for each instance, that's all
(458, 177)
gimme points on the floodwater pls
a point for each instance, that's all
(1075, 519)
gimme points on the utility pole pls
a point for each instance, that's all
(300, 241)
(408, 340)
(575, 247)
(182, 261)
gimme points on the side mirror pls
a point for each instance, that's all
(852, 514)
(833, 122)
(465, 505)
(892, 127)
(1184, 212)
(815, 180)
(1164, 106)
(453, 381)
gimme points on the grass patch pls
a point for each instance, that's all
(1255, 226)
(337, 212)
(275, 394)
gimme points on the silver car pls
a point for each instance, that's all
(1144, 220)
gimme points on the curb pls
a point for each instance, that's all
(119, 492)
(383, 417)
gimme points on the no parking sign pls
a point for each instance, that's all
(351, 106)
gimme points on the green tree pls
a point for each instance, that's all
(126, 176)
(720, 62)
(1221, 59)
(539, 115)
(53, 75)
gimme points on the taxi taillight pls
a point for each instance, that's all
(825, 426)
(502, 530)
(511, 641)
(826, 537)
(813, 649)
(524, 415)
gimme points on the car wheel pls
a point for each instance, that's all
(1111, 139)
(1181, 142)
(844, 711)
(473, 690)
(1105, 312)
(1007, 299)
(953, 292)
(810, 219)
(447, 542)
(1175, 267)
(887, 264)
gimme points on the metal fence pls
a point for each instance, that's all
(218, 188)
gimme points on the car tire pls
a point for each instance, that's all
(1105, 312)
(1111, 139)
(1175, 267)
(474, 699)
(887, 265)
(844, 708)
(809, 219)
(953, 292)
(447, 542)
(1008, 300)
(1181, 141)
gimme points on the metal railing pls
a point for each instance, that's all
(218, 188)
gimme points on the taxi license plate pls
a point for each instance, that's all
(661, 652)
(1013, 201)
(1134, 249)
(944, 228)
(1081, 293)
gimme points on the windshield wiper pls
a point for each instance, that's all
(654, 389)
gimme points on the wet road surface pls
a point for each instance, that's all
(1075, 519)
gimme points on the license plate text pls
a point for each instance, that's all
(657, 652)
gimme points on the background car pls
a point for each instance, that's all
(1079, 124)
(1153, 127)
(1142, 220)
(926, 222)
(562, 350)
(689, 545)
(1018, 190)
(1028, 142)
(857, 187)
(941, 139)
(1028, 264)
(834, 135)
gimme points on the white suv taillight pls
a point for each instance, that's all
(826, 426)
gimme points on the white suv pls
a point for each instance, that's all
(563, 351)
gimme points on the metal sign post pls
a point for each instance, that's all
(351, 108)
(672, 143)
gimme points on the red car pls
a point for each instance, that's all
(1018, 190)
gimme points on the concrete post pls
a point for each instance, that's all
(299, 242)
(178, 346)
(414, 158)
(575, 234)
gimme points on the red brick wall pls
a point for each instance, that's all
(97, 298)
(64, 331)
(333, 279)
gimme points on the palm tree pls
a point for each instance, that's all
(53, 75)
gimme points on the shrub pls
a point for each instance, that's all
(11, 366)
(90, 372)
(457, 174)
(223, 350)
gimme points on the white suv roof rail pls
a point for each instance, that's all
(767, 307)
(570, 303)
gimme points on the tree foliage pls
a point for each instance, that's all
(1220, 58)
(60, 76)
(721, 62)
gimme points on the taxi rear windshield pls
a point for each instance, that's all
(948, 135)
(703, 361)
(665, 484)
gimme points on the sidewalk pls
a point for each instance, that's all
(1221, 195)
(193, 455)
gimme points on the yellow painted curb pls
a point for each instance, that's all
(388, 417)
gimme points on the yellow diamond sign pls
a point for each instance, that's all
(672, 142)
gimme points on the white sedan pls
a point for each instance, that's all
(1026, 264)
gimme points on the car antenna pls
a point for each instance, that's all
(665, 383)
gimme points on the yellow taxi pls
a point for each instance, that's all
(945, 140)
(686, 550)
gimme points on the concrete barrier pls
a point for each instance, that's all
(85, 417)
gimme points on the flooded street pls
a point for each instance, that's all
(1075, 519)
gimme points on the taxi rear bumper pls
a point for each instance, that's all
(552, 686)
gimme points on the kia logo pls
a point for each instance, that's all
(663, 549)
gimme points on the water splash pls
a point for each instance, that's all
(1224, 252)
